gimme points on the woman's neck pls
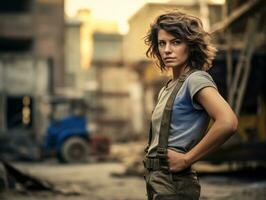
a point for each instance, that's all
(178, 71)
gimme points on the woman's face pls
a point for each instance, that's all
(173, 51)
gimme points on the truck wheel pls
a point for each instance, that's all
(75, 150)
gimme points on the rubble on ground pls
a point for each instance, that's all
(14, 179)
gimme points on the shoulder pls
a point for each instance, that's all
(200, 79)
(199, 76)
(196, 82)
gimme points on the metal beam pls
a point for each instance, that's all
(234, 15)
(242, 72)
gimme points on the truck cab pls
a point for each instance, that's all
(67, 135)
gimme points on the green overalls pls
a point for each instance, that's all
(161, 184)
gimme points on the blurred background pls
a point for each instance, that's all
(77, 92)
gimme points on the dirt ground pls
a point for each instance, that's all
(96, 181)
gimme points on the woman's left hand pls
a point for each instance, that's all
(177, 161)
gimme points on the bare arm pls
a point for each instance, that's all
(225, 124)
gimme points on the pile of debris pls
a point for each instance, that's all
(131, 155)
(14, 179)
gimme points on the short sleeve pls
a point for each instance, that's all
(197, 81)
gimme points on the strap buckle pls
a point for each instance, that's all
(152, 164)
(161, 152)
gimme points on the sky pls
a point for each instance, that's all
(115, 10)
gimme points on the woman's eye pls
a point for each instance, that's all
(176, 42)
(161, 44)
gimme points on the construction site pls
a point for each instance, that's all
(77, 93)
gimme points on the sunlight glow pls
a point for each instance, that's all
(110, 10)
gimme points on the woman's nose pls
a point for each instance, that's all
(167, 48)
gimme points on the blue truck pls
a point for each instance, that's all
(68, 138)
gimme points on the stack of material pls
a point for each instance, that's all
(131, 155)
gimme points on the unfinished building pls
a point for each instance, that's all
(31, 62)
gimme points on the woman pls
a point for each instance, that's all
(178, 136)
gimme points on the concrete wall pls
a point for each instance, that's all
(37, 30)
(24, 75)
(118, 98)
(115, 90)
(49, 35)
(107, 47)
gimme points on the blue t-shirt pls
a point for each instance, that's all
(189, 119)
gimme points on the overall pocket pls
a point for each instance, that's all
(187, 186)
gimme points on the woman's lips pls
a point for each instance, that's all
(169, 59)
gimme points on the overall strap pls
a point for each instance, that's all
(166, 118)
(150, 129)
(149, 139)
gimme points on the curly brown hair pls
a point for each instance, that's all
(189, 29)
